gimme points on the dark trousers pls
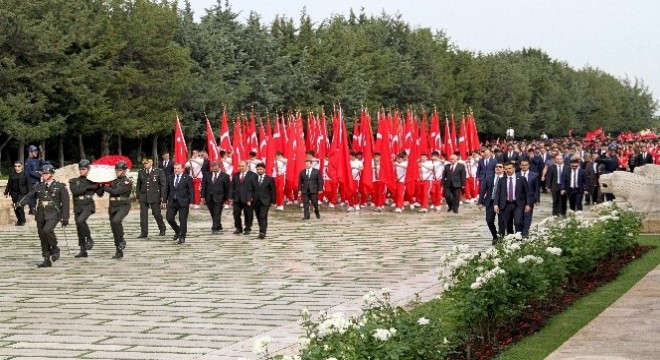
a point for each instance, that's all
(314, 198)
(575, 199)
(247, 212)
(527, 220)
(20, 211)
(215, 209)
(46, 230)
(261, 212)
(558, 203)
(513, 215)
(452, 195)
(490, 220)
(117, 214)
(144, 217)
(180, 229)
(595, 195)
(80, 215)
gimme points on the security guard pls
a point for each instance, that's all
(611, 163)
(33, 165)
(83, 191)
(150, 189)
(120, 204)
(53, 207)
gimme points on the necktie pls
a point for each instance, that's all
(165, 164)
(559, 174)
(452, 168)
(486, 162)
(510, 188)
(525, 174)
(497, 178)
(215, 176)
(574, 178)
(176, 180)
(242, 176)
(308, 173)
(261, 178)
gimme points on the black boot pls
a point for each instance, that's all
(121, 245)
(55, 254)
(82, 253)
(46, 263)
(119, 254)
(89, 244)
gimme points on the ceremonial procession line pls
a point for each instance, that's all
(212, 297)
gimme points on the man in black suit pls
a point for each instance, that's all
(453, 181)
(167, 165)
(592, 171)
(179, 195)
(512, 156)
(243, 186)
(555, 174)
(573, 185)
(486, 166)
(534, 183)
(644, 157)
(150, 188)
(264, 196)
(310, 184)
(512, 198)
(215, 191)
(486, 193)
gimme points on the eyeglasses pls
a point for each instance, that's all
(499, 166)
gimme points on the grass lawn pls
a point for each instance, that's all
(563, 326)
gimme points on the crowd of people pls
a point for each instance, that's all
(505, 179)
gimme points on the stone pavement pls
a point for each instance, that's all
(212, 297)
(628, 329)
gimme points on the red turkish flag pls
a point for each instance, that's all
(435, 139)
(239, 153)
(383, 146)
(448, 148)
(423, 138)
(225, 141)
(180, 148)
(412, 172)
(211, 145)
(462, 140)
(454, 145)
(367, 138)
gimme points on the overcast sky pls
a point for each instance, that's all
(617, 36)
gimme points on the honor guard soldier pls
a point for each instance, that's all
(33, 165)
(150, 189)
(83, 190)
(52, 207)
(120, 204)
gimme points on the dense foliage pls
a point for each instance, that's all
(92, 72)
(485, 293)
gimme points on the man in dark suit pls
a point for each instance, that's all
(167, 165)
(644, 157)
(555, 174)
(179, 196)
(486, 193)
(215, 191)
(592, 171)
(310, 184)
(150, 189)
(573, 185)
(512, 156)
(543, 157)
(264, 196)
(486, 166)
(453, 181)
(243, 186)
(512, 199)
(534, 183)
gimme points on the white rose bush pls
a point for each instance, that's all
(485, 294)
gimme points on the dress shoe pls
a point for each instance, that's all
(238, 232)
(55, 254)
(213, 232)
(175, 237)
(448, 209)
(261, 236)
(118, 255)
(455, 211)
(89, 244)
(306, 218)
(495, 240)
(161, 233)
(142, 236)
(246, 232)
(45, 263)
(318, 216)
(81, 254)
(121, 245)
(181, 241)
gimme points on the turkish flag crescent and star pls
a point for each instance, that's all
(180, 148)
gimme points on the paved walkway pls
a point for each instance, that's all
(628, 329)
(211, 298)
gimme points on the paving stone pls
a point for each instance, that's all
(210, 298)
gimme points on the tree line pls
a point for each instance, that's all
(92, 77)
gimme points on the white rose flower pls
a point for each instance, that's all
(423, 321)
(382, 334)
(261, 345)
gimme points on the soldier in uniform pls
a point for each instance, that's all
(33, 165)
(150, 189)
(83, 191)
(120, 204)
(53, 207)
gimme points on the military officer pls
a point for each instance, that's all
(120, 204)
(83, 190)
(33, 165)
(52, 207)
(150, 189)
